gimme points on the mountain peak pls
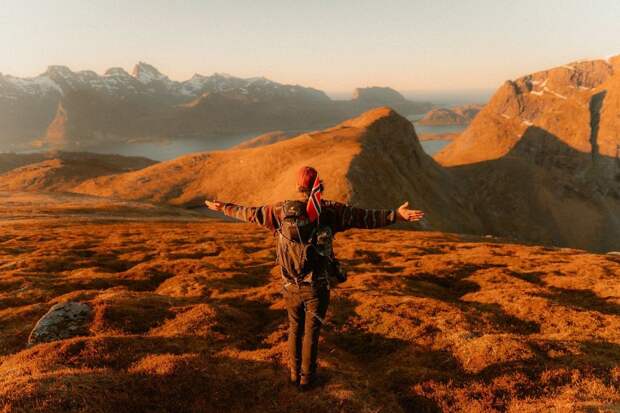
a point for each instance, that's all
(59, 70)
(373, 116)
(614, 61)
(116, 71)
(146, 73)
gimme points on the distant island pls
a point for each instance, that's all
(459, 115)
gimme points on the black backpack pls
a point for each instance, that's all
(304, 249)
(296, 242)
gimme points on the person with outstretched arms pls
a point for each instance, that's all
(304, 229)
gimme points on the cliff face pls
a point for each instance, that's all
(542, 157)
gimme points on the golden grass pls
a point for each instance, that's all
(188, 317)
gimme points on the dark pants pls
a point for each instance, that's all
(305, 306)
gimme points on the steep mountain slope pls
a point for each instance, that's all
(264, 139)
(374, 160)
(542, 157)
(517, 196)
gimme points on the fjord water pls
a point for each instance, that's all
(165, 149)
(162, 150)
(173, 148)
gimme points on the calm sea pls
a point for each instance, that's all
(432, 147)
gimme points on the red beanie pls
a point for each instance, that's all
(306, 177)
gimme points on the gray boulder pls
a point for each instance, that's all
(63, 320)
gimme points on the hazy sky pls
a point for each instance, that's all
(332, 45)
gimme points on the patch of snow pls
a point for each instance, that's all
(36, 85)
(261, 79)
(555, 94)
(527, 123)
(545, 89)
(117, 72)
(46, 83)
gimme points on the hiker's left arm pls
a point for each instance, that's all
(353, 217)
(262, 215)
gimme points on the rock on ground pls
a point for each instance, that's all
(63, 320)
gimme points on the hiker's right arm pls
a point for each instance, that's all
(263, 215)
(352, 217)
(347, 217)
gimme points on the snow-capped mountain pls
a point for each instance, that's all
(142, 80)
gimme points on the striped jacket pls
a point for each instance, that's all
(338, 216)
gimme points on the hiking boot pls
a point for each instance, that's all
(306, 382)
(294, 378)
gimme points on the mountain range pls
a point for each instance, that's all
(62, 108)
